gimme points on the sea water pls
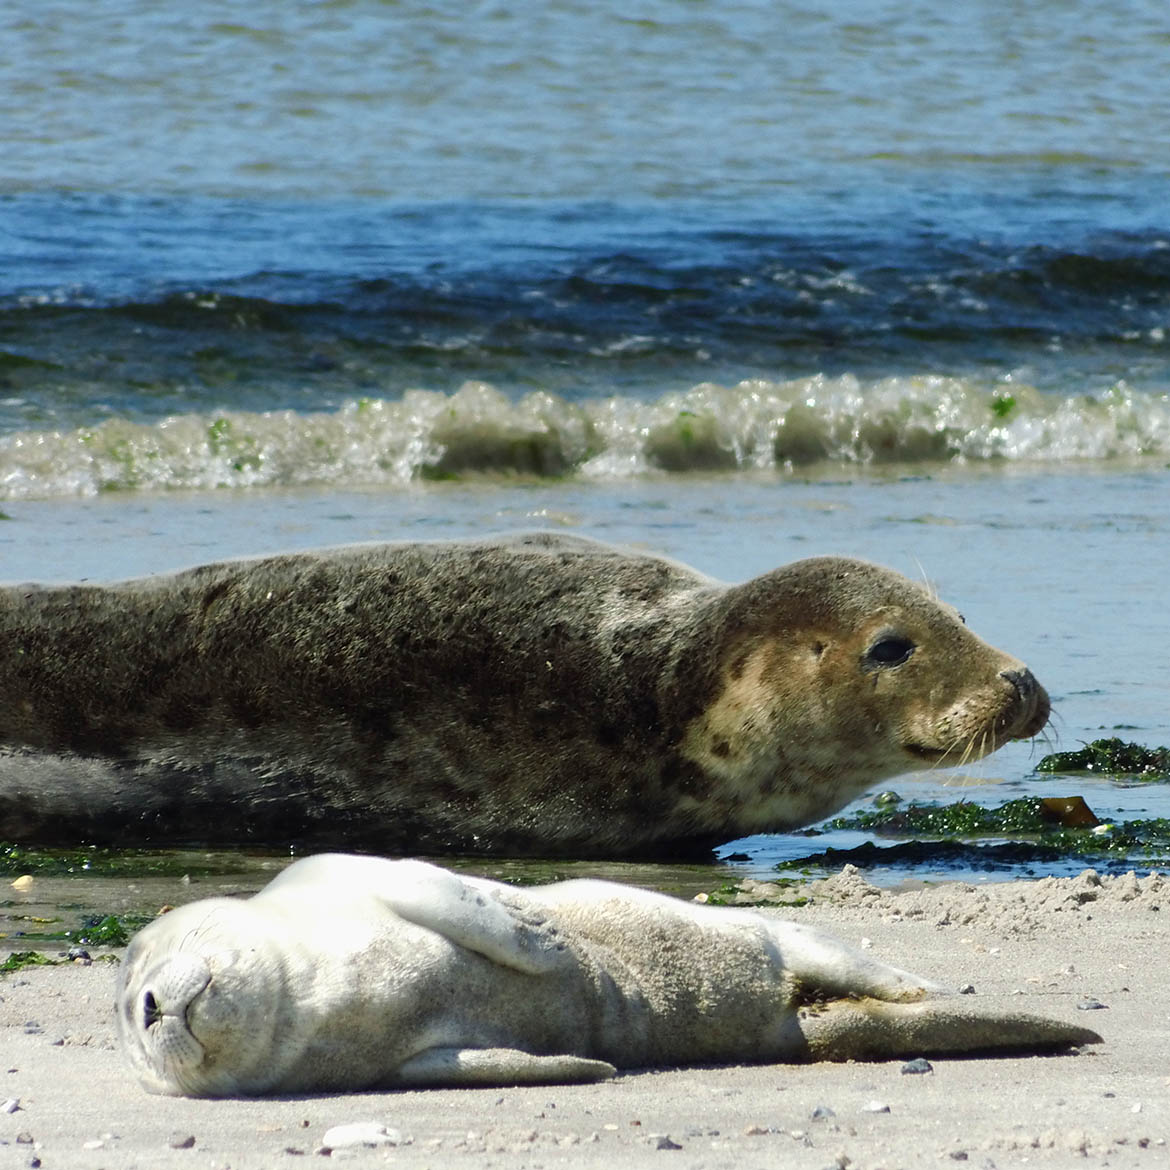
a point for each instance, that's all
(734, 282)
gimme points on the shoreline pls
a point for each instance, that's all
(1052, 946)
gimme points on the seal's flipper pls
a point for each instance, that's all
(868, 1029)
(498, 1066)
(463, 910)
(822, 963)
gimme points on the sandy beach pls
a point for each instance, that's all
(1087, 949)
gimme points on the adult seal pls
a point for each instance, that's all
(541, 694)
(361, 973)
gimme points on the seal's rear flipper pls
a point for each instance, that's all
(498, 1066)
(868, 1029)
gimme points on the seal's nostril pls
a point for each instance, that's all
(1023, 680)
(151, 1012)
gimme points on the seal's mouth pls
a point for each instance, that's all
(983, 725)
(927, 755)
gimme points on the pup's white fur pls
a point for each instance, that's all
(357, 972)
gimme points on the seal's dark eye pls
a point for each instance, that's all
(891, 650)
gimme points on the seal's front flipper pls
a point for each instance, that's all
(868, 1029)
(498, 1066)
(464, 910)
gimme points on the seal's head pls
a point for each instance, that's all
(198, 1005)
(835, 674)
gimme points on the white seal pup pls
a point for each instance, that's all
(351, 972)
(541, 694)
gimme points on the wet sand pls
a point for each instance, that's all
(1054, 946)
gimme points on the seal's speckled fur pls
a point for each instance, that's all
(540, 694)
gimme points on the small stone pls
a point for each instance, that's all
(10, 1105)
(1090, 1005)
(755, 1131)
(360, 1133)
(23, 882)
(79, 955)
(958, 1155)
(181, 1141)
(662, 1141)
(875, 1107)
(822, 1113)
(24, 1138)
(967, 989)
(916, 1067)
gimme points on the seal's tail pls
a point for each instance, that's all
(869, 1029)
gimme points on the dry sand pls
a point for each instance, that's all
(1051, 946)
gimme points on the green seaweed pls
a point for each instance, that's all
(778, 892)
(99, 861)
(962, 819)
(690, 442)
(110, 930)
(1002, 405)
(1112, 757)
(1036, 828)
(243, 451)
(18, 960)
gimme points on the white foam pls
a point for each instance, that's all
(755, 425)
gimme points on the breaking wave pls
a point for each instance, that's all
(787, 427)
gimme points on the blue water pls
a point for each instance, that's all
(291, 265)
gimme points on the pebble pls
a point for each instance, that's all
(1090, 1005)
(914, 1067)
(662, 1141)
(967, 989)
(10, 1105)
(181, 1141)
(875, 1107)
(822, 1113)
(360, 1133)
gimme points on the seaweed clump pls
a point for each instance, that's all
(18, 960)
(1112, 757)
(1030, 829)
(1027, 816)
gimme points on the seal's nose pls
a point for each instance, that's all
(1030, 712)
(152, 1010)
(169, 988)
